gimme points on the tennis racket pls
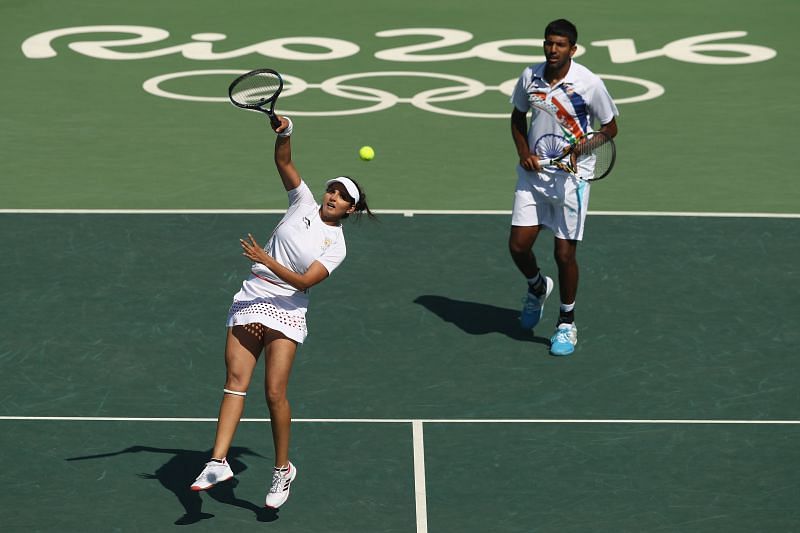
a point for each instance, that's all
(257, 90)
(590, 158)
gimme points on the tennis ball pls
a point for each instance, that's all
(366, 153)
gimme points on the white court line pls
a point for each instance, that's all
(653, 421)
(420, 494)
(406, 212)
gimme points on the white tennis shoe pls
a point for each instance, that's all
(281, 481)
(213, 473)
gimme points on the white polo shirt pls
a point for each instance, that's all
(569, 109)
(299, 239)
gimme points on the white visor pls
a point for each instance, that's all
(349, 185)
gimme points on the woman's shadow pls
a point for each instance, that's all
(478, 319)
(178, 473)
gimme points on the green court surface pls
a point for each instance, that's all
(135, 306)
(79, 131)
(677, 409)
(119, 477)
(420, 406)
(103, 476)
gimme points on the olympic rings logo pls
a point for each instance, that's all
(460, 88)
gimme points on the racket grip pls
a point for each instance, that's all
(274, 120)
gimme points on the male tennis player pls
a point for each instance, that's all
(565, 99)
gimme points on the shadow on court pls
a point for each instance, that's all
(478, 319)
(178, 473)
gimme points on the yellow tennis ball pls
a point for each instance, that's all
(366, 153)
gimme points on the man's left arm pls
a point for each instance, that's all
(604, 109)
(610, 128)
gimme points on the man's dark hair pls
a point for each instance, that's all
(564, 28)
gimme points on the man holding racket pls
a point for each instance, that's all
(565, 100)
(268, 314)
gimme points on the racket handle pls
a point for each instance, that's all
(274, 120)
(559, 164)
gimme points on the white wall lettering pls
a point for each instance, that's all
(690, 50)
(492, 51)
(40, 45)
(700, 49)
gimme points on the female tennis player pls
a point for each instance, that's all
(269, 312)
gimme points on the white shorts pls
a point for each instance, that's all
(277, 312)
(551, 199)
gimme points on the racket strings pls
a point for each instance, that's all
(256, 90)
(601, 150)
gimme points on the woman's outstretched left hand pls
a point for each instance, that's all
(253, 251)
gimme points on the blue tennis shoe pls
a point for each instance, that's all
(564, 339)
(533, 306)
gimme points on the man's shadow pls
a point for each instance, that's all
(178, 473)
(479, 319)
